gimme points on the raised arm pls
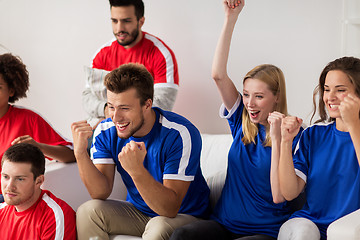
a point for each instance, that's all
(226, 87)
(290, 184)
(98, 179)
(348, 109)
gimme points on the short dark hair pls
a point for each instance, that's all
(131, 75)
(138, 4)
(348, 65)
(26, 153)
(14, 73)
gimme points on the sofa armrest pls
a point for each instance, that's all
(347, 227)
(64, 181)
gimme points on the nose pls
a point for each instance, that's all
(11, 185)
(116, 115)
(251, 101)
(119, 27)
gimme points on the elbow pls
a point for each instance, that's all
(217, 76)
(277, 199)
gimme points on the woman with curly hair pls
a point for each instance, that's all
(18, 124)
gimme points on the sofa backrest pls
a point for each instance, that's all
(213, 162)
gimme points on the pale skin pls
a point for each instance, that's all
(18, 185)
(253, 95)
(342, 104)
(125, 110)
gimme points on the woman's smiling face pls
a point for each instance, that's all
(258, 100)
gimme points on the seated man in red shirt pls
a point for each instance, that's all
(28, 211)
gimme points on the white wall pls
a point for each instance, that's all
(56, 39)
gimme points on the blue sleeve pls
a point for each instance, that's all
(183, 155)
(301, 163)
(100, 149)
(234, 116)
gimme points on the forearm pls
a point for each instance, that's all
(274, 172)
(97, 184)
(219, 65)
(289, 182)
(162, 200)
(58, 152)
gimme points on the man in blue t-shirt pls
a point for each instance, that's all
(157, 154)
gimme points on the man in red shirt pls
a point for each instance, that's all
(28, 211)
(131, 44)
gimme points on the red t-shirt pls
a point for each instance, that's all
(49, 218)
(20, 121)
(153, 53)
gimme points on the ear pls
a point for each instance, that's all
(148, 104)
(11, 92)
(141, 21)
(39, 180)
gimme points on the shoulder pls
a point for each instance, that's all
(56, 205)
(156, 42)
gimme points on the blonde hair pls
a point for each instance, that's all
(274, 78)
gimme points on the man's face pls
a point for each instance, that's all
(125, 25)
(18, 185)
(127, 113)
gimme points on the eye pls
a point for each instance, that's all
(259, 96)
(246, 95)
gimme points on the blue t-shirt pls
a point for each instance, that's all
(326, 160)
(173, 152)
(246, 205)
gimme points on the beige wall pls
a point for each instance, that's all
(57, 38)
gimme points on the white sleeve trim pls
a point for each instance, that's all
(301, 175)
(103, 161)
(232, 110)
(178, 177)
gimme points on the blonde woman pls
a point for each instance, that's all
(251, 205)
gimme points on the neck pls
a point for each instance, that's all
(137, 40)
(4, 110)
(149, 121)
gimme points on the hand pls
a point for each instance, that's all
(274, 120)
(349, 110)
(290, 126)
(132, 157)
(233, 7)
(25, 139)
(81, 132)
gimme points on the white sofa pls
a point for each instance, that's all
(64, 181)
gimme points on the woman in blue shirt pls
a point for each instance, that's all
(251, 205)
(326, 163)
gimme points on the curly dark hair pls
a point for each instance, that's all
(15, 74)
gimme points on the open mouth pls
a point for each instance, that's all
(254, 114)
(333, 106)
(122, 126)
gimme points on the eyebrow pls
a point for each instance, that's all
(337, 86)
